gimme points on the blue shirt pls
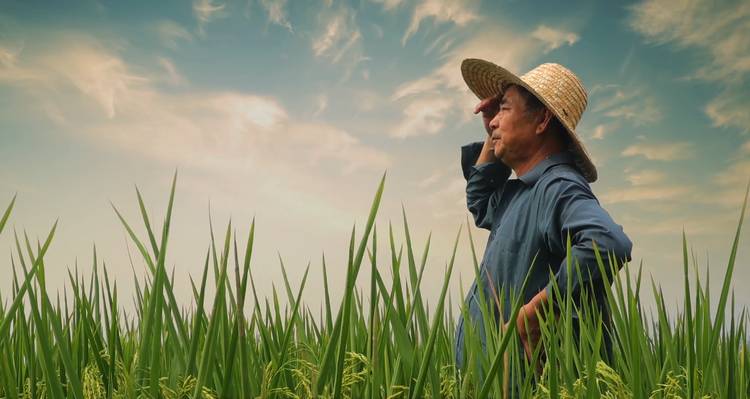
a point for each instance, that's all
(529, 220)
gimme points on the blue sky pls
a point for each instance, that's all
(291, 111)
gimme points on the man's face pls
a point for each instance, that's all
(512, 131)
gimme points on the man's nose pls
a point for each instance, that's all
(494, 123)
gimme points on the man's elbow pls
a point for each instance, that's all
(621, 247)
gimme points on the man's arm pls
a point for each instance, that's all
(483, 172)
(483, 178)
(569, 208)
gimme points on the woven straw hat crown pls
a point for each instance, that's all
(558, 88)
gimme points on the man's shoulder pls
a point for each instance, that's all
(563, 173)
(562, 180)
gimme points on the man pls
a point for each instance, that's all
(530, 123)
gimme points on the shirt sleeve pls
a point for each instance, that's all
(569, 207)
(482, 184)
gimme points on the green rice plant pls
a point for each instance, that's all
(385, 342)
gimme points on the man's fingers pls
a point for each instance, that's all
(481, 105)
(486, 102)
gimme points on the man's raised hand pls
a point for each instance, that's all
(489, 108)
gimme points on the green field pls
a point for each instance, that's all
(386, 343)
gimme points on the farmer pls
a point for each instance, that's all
(530, 123)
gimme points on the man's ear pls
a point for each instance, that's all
(544, 119)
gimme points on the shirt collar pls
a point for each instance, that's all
(531, 177)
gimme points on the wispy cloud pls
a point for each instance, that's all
(720, 32)
(212, 130)
(720, 29)
(598, 132)
(205, 10)
(513, 54)
(9, 52)
(430, 180)
(628, 59)
(731, 108)
(646, 178)
(444, 39)
(459, 12)
(389, 4)
(646, 193)
(554, 38)
(170, 32)
(101, 75)
(277, 13)
(633, 103)
(341, 39)
(662, 151)
(174, 76)
(641, 114)
(423, 117)
(321, 103)
(54, 113)
(598, 88)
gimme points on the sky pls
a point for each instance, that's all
(289, 113)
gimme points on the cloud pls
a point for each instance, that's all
(432, 179)
(512, 54)
(449, 200)
(646, 178)
(277, 12)
(720, 29)
(647, 193)
(729, 109)
(100, 75)
(54, 113)
(598, 88)
(340, 40)
(459, 12)
(446, 80)
(320, 142)
(8, 53)
(321, 103)
(389, 4)
(696, 224)
(633, 103)
(215, 131)
(174, 77)
(422, 85)
(641, 114)
(720, 32)
(170, 32)
(738, 174)
(554, 38)
(423, 117)
(205, 11)
(662, 151)
(442, 38)
(599, 132)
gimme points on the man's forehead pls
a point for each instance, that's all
(510, 94)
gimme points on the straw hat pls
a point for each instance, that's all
(555, 86)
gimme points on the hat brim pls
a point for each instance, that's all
(486, 79)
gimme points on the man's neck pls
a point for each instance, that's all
(536, 158)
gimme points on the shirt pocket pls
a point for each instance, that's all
(506, 246)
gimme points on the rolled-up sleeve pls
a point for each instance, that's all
(482, 184)
(569, 207)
